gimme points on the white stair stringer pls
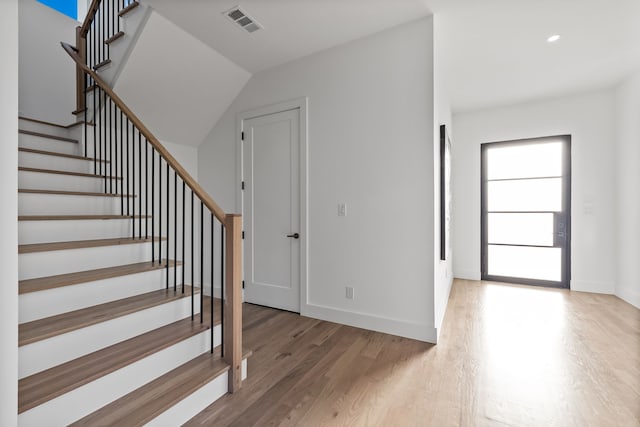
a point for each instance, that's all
(47, 161)
(54, 181)
(48, 144)
(52, 263)
(90, 397)
(51, 302)
(64, 204)
(48, 231)
(50, 352)
(132, 24)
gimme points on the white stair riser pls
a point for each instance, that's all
(47, 129)
(196, 402)
(51, 263)
(69, 230)
(84, 400)
(53, 351)
(48, 144)
(52, 181)
(44, 161)
(57, 204)
(38, 305)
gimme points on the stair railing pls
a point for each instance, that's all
(93, 39)
(132, 161)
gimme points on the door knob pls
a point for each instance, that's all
(294, 235)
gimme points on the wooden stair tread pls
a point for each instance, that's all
(58, 172)
(77, 217)
(51, 383)
(44, 122)
(71, 193)
(114, 37)
(56, 154)
(41, 329)
(82, 244)
(147, 402)
(100, 65)
(128, 9)
(46, 135)
(51, 282)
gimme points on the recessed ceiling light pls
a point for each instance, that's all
(554, 38)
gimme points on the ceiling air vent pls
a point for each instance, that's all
(243, 20)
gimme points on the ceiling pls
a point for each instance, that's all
(494, 52)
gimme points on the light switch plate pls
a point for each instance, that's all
(342, 209)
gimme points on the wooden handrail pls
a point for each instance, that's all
(186, 177)
(91, 13)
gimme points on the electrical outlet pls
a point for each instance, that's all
(349, 292)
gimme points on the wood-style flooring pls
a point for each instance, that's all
(507, 356)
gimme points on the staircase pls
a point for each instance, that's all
(118, 246)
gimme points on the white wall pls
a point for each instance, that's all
(9, 213)
(590, 120)
(177, 85)
(47, 73)
(443, 270)
(628, 169)
(371, 146)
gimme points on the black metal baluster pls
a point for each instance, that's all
(175, 229)
(122, 173)
(114, 157)
(168, 232)
(222, 289)
(95, 138)
(193, 259)
(202, 262)
(153, 225)
(212, 287)
(129, 192)
(160, 211)
(110, 124)
(146, 189)
(184, 261)
(104, 140)
(133, 178)
(140, 185)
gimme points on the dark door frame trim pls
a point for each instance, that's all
(566, 200)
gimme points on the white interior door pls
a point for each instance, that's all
(271, 209)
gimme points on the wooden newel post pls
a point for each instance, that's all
(233, 301)
(81, 45)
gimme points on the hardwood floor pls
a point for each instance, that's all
(508, 355)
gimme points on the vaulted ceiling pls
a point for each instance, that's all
(495, 50)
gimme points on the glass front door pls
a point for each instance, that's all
(526, 225)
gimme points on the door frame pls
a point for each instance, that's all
(565, 283)
(300, 104)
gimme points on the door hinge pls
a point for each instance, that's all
(243, 185)
(243, 284)
(243, 235)
(242, 136)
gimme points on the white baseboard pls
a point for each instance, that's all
(401, 328)
(593, 287)
(629, 295)
(466, 274)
